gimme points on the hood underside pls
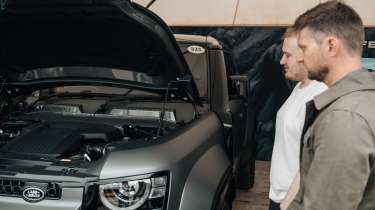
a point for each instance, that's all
(106, 33)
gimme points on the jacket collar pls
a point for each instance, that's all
(355, 81)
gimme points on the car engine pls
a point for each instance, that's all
(70, 137)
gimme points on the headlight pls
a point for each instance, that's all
(147, 193)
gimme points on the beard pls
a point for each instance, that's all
(318, 75)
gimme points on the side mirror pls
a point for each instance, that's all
(238, 86)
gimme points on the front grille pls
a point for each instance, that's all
(14, 188)
(53, 191)
(11, 187)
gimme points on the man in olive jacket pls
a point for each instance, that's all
(338, 155)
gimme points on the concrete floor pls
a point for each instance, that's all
(257, 197)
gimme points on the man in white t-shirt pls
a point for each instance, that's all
(284, 176)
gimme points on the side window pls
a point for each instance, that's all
(238, 86)
(196, 57)
(237, 83)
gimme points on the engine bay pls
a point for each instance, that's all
(82, 123)
(69, 139)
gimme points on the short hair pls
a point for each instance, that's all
(337, 19)
(290, 32)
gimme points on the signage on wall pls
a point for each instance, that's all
(369, 44)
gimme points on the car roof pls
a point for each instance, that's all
(207, 41)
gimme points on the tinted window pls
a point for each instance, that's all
(198, 66)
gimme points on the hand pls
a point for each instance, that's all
(284, 204)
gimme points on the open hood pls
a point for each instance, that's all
(114, 34)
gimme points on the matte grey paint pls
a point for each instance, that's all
(189, 143)
(192, 149)
(193, 156)
(204, 179)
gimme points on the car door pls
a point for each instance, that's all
(229, 99)
(243, 121)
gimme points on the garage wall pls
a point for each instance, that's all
(244, 12)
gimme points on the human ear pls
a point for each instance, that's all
(332, 46)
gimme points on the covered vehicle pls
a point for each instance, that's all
(101, 108)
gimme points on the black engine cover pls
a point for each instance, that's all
(55, 139)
